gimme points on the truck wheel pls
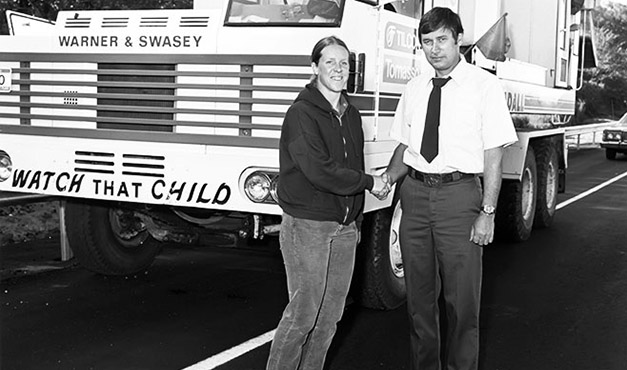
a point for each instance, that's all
(380, 278)
(517, 203)
(107, 240)
(610, 154)
(547, 168)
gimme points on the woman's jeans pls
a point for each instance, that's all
(319, 258)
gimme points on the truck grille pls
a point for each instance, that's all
(128, 85)
(190, 98)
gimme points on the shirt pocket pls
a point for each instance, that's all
(460, 131)
(461, 120)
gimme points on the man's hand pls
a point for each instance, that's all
(381, 187)
(395, 171)
(482, 231)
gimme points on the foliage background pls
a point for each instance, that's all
(48, 9)
(21, 223)
(604, 94)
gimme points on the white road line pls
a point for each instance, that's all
(232, 353)
(590, 191)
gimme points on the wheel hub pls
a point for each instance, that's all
(127, 228)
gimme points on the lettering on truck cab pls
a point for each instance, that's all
(176, 41)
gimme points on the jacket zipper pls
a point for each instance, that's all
(347, 210)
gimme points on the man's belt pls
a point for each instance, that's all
(436, 179)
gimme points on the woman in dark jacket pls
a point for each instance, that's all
(321, 192)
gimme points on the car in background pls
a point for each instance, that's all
(615, 138)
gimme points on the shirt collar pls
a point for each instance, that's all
(343, 105)
(457, 74)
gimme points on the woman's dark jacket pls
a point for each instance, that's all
(321, 156)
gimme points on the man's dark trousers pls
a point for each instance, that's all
(439, 258)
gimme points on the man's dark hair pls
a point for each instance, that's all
(437, 18)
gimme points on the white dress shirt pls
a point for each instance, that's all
(473, 117)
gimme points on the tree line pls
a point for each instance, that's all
(48, 9)
(604, 93)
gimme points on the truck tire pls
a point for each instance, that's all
(548, 182)
(108, 240)
(517, 203)
(380, 278)
(610, 154)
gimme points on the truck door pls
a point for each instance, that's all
(400, 56)
(563, 44)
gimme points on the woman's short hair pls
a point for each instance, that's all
(440, 17)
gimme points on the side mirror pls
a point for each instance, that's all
(357, 65)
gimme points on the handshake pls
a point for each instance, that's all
(382, 186)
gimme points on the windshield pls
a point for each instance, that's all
(285, 12)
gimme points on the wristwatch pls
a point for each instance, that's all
(488, 210)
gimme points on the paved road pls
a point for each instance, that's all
(556, 301)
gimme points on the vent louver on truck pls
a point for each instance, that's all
(77, 22)
(153, 22)
(194, 22)
(132, 164)
(114, 22)
(143, 165)
(94, 162)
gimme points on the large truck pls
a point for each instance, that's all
(154, 125)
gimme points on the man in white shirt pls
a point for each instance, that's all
(447, 214)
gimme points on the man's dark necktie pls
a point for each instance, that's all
(429, 146)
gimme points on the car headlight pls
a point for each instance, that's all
(612, 136)
(6, 166)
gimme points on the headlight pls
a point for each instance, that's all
(261, 186)
(6, 166)
(273, 189)
(257, 187)
(612, 136)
